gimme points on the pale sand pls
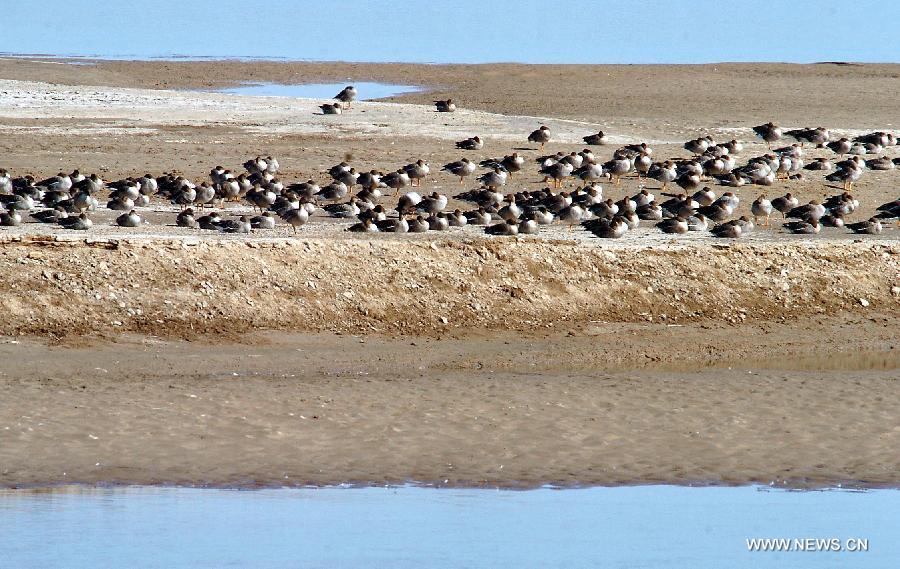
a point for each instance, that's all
(557, 408)
(320, 409)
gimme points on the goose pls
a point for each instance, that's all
(598, 139)
(698, 145)
(493, 179)
(529, 226)
(264, 221)
(558, 172)
(618, 167)
(10, 218)
(77, 223)
(399, 225)
(673, 225)
(511, 210)
(540, 136)
(473, 143)
(347, 177)
(840, 146)
(457, 219)
(697, 222)
(347, 95)
(508, 227)
(832, 220)
(50, 215)
(130, 219)
(331, 109)
(607, 228)
(6, 185)
(461, 168)
(650, 212)
(294, 217)
(665, 172)
(333, 192)
(761, 207)
(871, 226)
(883, 163)
(364, 226)
(820, 164)
(705, 196)
(769, 132)
(185, 218)
(438, 222)
(433, 203)
(418, 225)
(370, 181)
(447, 106)
(785, 203)
(17, 202)
(478, 216)
(810, 227)
(61, 181)
(727, 231)
(417, 171)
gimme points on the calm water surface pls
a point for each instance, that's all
(325, 91)
(643, 526)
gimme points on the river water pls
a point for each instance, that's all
(634, 526)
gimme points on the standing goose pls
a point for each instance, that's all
(295, 217)
(618, 167)
(417, 171)
(396, 180)
(761, 207)
(769, 132)
(461, 168)
(665, 172)
(540, 136)
(347, 95)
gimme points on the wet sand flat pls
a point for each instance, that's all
(325, 409)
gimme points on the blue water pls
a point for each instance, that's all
(462, 31)
(367, 91)
(642, 526)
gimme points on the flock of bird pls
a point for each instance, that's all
(66, 199)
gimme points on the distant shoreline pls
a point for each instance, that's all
(184, 58)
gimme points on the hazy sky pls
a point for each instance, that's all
(464, 31)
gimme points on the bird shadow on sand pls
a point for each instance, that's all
(525, 148)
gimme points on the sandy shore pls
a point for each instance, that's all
(490, 410)
(161, 355)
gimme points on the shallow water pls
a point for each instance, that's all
(325, 91)
(640, 526)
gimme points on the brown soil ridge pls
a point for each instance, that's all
(60, 289)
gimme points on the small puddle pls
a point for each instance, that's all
(408, 526)
(325, 91)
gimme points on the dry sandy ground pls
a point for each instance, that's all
(562, 358)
